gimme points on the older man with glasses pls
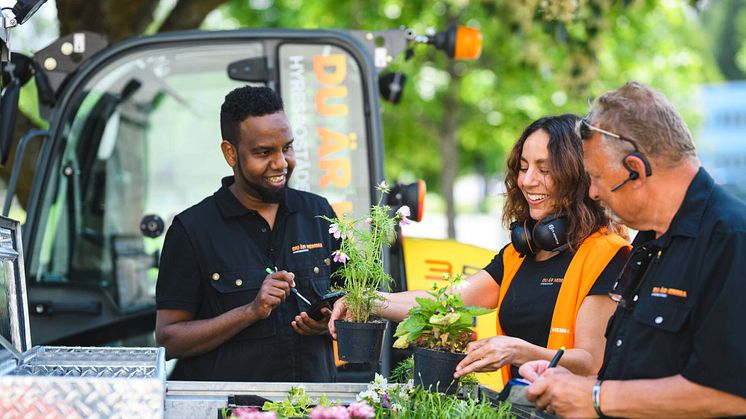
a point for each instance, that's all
(675, 346)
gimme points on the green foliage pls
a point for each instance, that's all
(297, 403)
(424, 404)
(363, 241)
(443, 323)
(404, 371)
(539, 58)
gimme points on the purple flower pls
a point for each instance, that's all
(340, 256)
(332, 412)
(335, 231)
(360, 410)
(386, 401)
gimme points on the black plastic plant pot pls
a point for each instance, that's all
(359, 342)
(433, 370)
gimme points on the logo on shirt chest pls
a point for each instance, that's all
(664, 292)
(551, 281)
(300, 248)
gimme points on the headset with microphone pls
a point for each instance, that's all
(633, 174)
(549, 233)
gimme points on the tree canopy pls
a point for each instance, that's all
(540, 57)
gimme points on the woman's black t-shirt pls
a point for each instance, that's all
(526, 312)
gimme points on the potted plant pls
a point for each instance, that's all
(440, 329)
(363, 241)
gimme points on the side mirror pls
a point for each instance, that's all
(411, 195)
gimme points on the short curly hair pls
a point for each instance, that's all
(244, 102)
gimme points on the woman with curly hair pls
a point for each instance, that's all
(549, 285)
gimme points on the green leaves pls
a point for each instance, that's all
(441, 322)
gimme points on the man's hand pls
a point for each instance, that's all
(339, 312)
(305, 325)
(489, 355)
(275, 288)
(563, 393)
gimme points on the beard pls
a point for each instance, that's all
(268, 195)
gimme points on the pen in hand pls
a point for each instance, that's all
(292, 289)
(553, 363)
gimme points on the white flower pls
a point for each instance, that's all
(380, 380)
(460, 284)
(368, 395)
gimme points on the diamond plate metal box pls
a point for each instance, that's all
(67, 382)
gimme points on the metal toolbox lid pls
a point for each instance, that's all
(14, 325)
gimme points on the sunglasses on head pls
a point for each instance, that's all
(633, 273)
(585, 132)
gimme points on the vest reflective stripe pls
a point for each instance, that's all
(589, 262)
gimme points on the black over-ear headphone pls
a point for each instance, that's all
(549, 233)
(633, 174)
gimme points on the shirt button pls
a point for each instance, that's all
(316, 270)
(634, 298)
(327, 262)
(658, 320)
(215, 276)
(618, 342)
(239, 282)
(264, 229)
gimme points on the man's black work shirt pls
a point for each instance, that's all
(686, 316)
(215, 258)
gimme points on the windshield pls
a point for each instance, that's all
(144, 139)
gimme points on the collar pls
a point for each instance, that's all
(688, 218)
(230, 206)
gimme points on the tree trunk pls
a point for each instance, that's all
(449, 149)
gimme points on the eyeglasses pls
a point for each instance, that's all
(633, 273)
(585, 131)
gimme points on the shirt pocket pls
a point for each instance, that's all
(666, 316)
(312, 278)
(236, 288)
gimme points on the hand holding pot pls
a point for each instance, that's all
(305, 325)
(489, 354)
(275, 288)
(339, 312)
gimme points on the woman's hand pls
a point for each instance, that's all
(339, 312)
(490, 354)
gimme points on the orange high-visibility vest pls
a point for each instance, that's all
(592, 257)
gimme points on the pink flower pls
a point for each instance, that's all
(335, 231)
(333, 412)
(340, 256)
(368, 221)
(404, 212)
(360, 410)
